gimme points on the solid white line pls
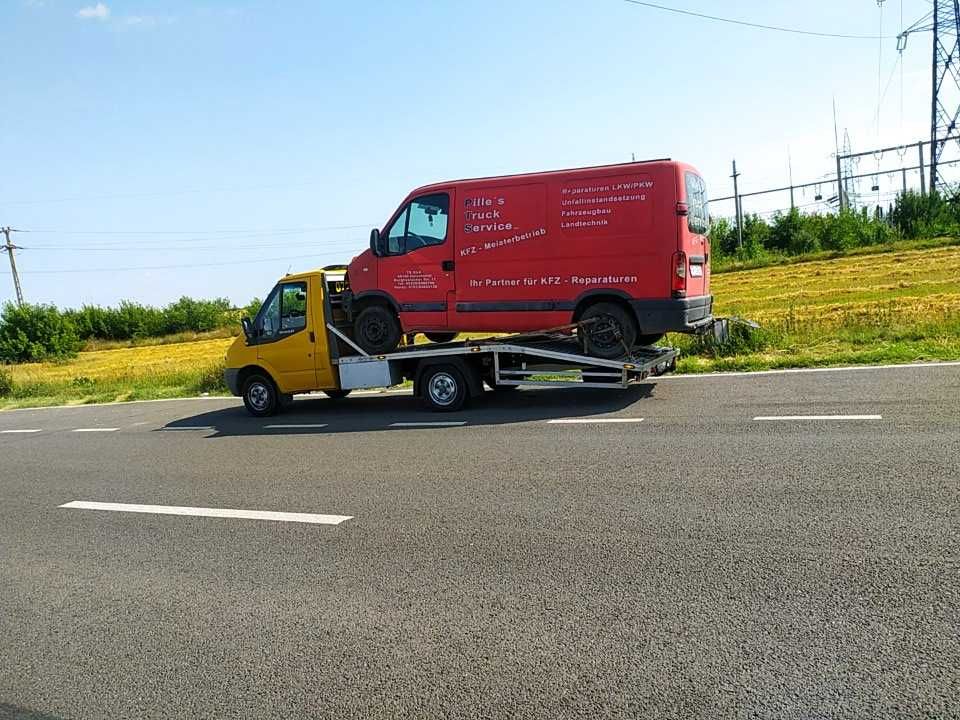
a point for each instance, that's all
(586, 421)
(27, 430)
(294, 427)
(310, 518)
(819, 417)
(795, 371)
(428, 424)
(95, 429)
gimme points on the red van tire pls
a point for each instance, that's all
(441, 337)
(377, 330)
(644, 340)
(612, 332)
(260, 396)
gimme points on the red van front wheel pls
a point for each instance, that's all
(377, 330)
(608, 331)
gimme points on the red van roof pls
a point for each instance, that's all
(545, 173)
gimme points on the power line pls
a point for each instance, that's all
(262, 261)
(759, 26)
(245, 231)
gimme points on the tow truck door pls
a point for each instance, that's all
(285, 336)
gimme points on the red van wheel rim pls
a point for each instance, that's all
(605, 332)
(374, 330)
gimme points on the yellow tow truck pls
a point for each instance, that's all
(299, 343)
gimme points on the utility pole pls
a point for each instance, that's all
(790, 172)
(9, 247)
(946, 83)
(736, 200)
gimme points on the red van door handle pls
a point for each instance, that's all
(447, 265)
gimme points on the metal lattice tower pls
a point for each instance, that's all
(946, 83)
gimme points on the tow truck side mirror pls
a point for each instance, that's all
(247, 326)
(375, 242)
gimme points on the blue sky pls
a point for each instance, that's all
(159, 133)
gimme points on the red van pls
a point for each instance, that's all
(624, 246)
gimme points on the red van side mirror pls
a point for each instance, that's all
(375, 242)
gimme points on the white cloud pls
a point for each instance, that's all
(94, 12)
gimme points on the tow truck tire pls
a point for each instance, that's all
(444, 388)
(612, 331)
(377, 330)
(441, 337)
(260, 396)
(336, 394)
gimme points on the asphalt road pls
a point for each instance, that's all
(697, 563)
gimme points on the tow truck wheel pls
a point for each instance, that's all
(441, 337)
(444, 388)
(609, 331)
(377, 330)
(336, 394)
(260, 396)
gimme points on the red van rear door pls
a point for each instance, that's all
(693, 234)
(417, 269)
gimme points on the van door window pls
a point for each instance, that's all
(283, 313)
(422, 223)
(698, 220)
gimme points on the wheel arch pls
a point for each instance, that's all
(592, 297)
(247, 370)
(362, 301)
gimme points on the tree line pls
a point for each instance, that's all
(31, 333)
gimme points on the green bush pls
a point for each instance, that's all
(31, 333)
(6, 383)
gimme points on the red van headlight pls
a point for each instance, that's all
(679, 274)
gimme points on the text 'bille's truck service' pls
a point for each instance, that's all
(587, 268)
(623, 243)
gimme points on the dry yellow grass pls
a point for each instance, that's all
(125, 364)
(909, 285)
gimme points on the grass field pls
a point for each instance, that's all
(901, 306)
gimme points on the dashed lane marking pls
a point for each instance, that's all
(817, 417)
(95, 430)
(310, 518)
(294, 426)
(449, 423)
(590, 421)
(22, 430)
(187, 427)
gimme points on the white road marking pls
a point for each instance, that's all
(819, 417)
(310, 518)
(456, 423)
(97, 429)
(794, 371)
(586, 421)
(293, 426)
(25, 430)
(187, 427)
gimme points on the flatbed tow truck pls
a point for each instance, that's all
(299, 343)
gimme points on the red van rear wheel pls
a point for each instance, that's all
(377, 330)
(609, 331)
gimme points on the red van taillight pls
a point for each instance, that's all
(679, 275)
